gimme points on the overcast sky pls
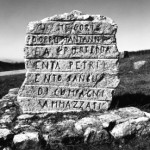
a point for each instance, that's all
(132, 17)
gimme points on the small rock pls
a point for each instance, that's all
(129, 112)
(6, 119)
(4, 133)
(123, 129)
(92, 135)
(139, 64)
(27, 141)
(147, 114)
(87, 121)
(141, 119)
(108, 118)
(6, 137)
(105, 125)
(10, 96)
(14, 91)
(7, 148)
(25, 116)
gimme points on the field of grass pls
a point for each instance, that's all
(134, 87)
(8, 82)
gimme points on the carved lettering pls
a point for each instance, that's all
(67, 92)
(69, 40)
(70, 51)
(62, 105)
(109, 66)
(76, 27)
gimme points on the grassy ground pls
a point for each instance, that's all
(8, 82)
(134, 87)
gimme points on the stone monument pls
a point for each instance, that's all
(71, 64)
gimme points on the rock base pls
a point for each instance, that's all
(54, 131)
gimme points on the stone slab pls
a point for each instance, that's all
(74, 93)
(76, 15)
(70, 58)
(71, 51)
(71, 27)
(69, 39)
(31, 105)
(95, 80)
(109, 66)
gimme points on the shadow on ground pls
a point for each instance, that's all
(139, 100)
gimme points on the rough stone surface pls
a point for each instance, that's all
(50, 131)
(72, 64)
(27, 141)
(72, 51)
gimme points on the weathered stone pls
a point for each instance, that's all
(93, 135)
(14, 91)
(79, 16)
(109, 66)
(108, 119)
(95, 80)
(72, 27)
(6, 119)
(10, 96)
(123, 129)
(71, 51)
(99, 94)
(84, 123)
(147, 114)
(36, 105)
(25, 116)
(6, 137)
(69, 39)
(27, 140)
(59, 129)
(4, 133)
(129, 112)
(7, 148)
(71, 62)
(129, 127)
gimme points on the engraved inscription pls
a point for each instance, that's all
(69, 39)
(72, 51)
(67, 92)
(74, 27)
(109, 66)
(51, 105)
(73, 79)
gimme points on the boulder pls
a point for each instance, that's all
(6, 137)
(27, 141)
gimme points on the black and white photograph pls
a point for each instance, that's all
(74, 75)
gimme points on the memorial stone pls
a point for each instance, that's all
(71, 64)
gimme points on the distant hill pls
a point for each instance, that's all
(8, 66)
(126, 54)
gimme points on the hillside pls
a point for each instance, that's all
(134, 87)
